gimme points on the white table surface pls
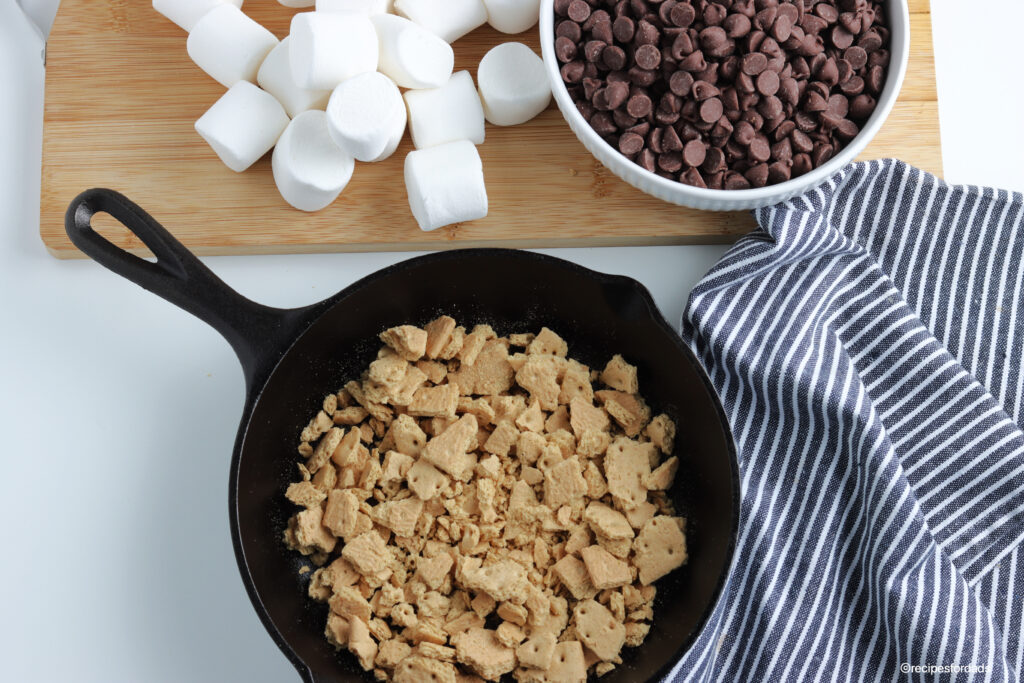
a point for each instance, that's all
(119, 411)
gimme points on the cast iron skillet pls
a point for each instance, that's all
(292, 358)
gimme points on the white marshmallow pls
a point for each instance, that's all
(275, 76)
(309, 169)
(229, 46)
(446, 185)
(446, 114)
(328, 48)
(410, 55)
(513, 84)
(185, 13)
(243, 125)
(512, 16)
(396, 139)
(450, 19)
(365, 114)
(297, 3)
(367, 7)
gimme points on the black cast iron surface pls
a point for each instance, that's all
(292, 358)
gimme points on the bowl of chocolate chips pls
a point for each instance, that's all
(725, 104)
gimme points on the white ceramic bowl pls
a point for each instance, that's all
(898, 23)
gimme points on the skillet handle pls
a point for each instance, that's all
(259, 334)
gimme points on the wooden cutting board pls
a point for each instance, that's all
(122, 96)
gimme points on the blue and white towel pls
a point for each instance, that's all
(867, 344)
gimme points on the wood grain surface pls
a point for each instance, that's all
(122, 97)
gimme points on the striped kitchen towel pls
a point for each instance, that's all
(867, 342)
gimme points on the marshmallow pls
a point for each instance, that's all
(366, 113)
(450, 19)
(445, 185)
(513, 84)
(229, 46)
(243, 125)
(367, 7)
(275, 77)
(309, 169)
(446, 114)
(512, 16)
(328, 48)
(410, 55)
(185, 13)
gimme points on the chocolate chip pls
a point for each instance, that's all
(854, 86)
(692, 177)
(879, 58)
(647, 160)
(603, 31)
(736, 25)
(592, 50)
(670, 162)
(623, 29)
(569, 29)
(802, 164)
(857, 57)
(630, 144)
(781, 30)
(744, 133)
(770, 107)
(642, 77)
(875, 79)
(711, 110)
(862, 107)
(562, 7)
(602, 123)
(694, 62)
(789, 91)
(821, 155)
(735, 181)
(623, 119)
(760, 149)
(680, 83)
(572, 72)
(614, 57)
(647, 57)
(695, 152)
(757, 175)
(838, 105)
(870, 41)
(782, 150)
(639, 106)
(579, 11)
(670, 141)
(768, 83)
(753, 63)
(814, 102)
(682, 46)
(714, 14)
(683, 14)
(847, 130)
(715, 42)
(646, 33)
(779, 172)
(702, 90)
(596, 17)
(565, 49)
(827, 11)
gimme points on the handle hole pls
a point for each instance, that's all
(115, 232)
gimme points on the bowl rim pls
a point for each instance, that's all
(679, 193)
